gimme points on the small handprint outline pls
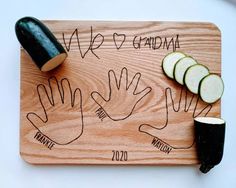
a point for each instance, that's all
(132, 86)
(50, 99)
(168, 92)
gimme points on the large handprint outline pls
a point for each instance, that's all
(118, 88)
(59, 93)
(157, 131)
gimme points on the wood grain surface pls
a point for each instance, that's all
(109, 102)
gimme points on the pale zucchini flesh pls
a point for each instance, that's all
(169, 62)
(210, 120)
(193, 77)
(211, 88)
(180, 68)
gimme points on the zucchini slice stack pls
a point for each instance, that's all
(196, 77)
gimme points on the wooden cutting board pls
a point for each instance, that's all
(110, 102)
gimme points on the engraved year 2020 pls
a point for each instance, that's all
(119, 155)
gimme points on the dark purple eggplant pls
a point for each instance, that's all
(210, 135)
(40, 43)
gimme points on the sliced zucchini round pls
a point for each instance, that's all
(211, 88)
(180, 68)
(169, 62)
(193, 77)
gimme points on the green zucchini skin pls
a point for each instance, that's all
(37, 40)
(210, 144)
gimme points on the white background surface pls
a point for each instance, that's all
(14, 172)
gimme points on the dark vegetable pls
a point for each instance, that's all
(40, 43)
(210, 134)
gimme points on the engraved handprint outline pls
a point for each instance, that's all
(184, 105)
(119, 87)
(59, 93)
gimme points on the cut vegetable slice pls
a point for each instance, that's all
(180, 68)
(211, 88)
(193, 77)
(169, 62)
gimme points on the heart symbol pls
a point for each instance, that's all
(118, 39)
